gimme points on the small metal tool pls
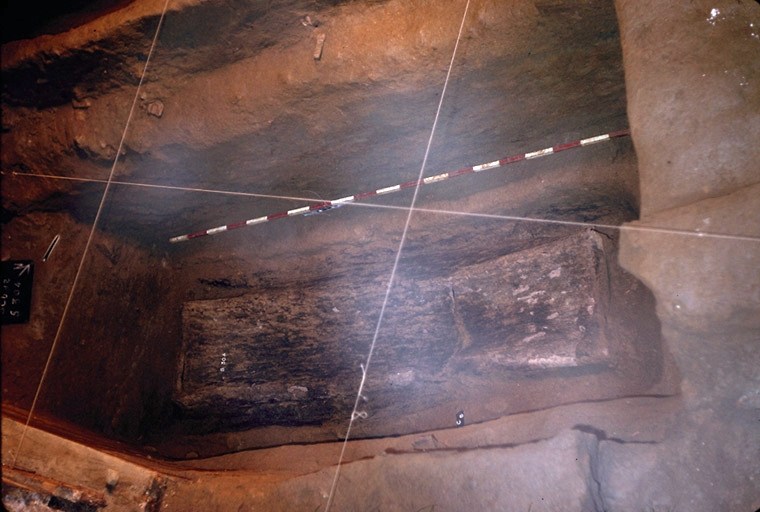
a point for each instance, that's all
(50, 248)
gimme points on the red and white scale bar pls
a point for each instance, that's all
(409, 184)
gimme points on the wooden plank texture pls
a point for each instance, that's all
(292, 356)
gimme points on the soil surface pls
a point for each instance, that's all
(257, 114)
(226, 369)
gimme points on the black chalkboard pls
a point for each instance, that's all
(16, 297)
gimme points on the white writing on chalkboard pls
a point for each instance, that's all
(16, 294)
